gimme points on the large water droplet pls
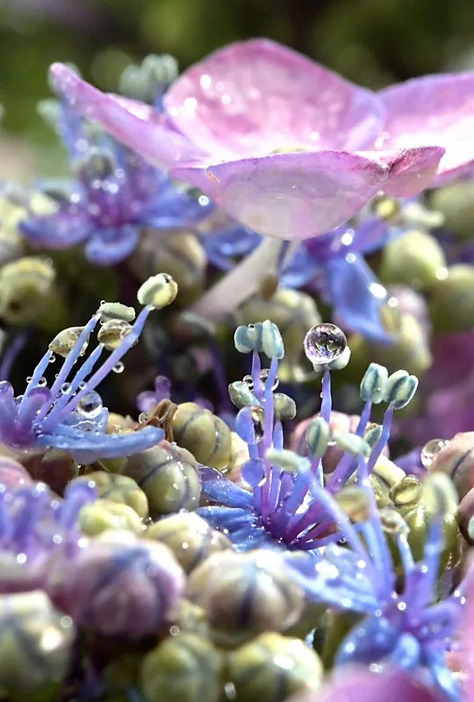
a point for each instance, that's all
(90, 405)
(324, 343)
(264, 375)
(118, 368)
(258, 420)
(429, 451)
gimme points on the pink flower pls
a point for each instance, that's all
(284, 145)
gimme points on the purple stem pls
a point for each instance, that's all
(12, 352)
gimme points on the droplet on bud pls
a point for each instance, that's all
(430, 449)
(324, 343)
(90, 405)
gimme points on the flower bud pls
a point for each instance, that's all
(383, 478)
(455, 203)
(415, 258)
(189, 537)
(245, 594)
(456, 460)
(113, 332)
(284, 406)
(64, 342)
(36, 647)
(202, 433)
(26, 290)
(272, 667)
(406, 494)
(262, 337)
(168, 476)
(354, 501)
(117, 488)
(373, 434)
(185, 667)
(115, 311)
(158, 291)
(373, 383)
(351, 443)
(102, 515)
(452, 302)
(241, 394)
(119, 585)
(317, 437)
(400, 389)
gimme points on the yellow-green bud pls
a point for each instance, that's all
(452, 301)
(415, 258)
(118, 488)
(202, 433)
(158, 291)
(113, 332)
(101, 515)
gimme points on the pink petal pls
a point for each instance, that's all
(290, 196)
(254, 97)
(360, 684)
(137, 125)
(410, 170)
(433, 111)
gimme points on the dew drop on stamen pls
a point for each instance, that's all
(66, 388)
(324, 343)
(264, 375)
(258, 420)
(90, 405)
(118, 368)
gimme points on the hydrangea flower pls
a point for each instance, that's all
(405, 624)
(70, 415)
(278, 512)
(285, 146)
(115, 196)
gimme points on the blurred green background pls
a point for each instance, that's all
(373, 42)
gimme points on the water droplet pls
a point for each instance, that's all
(66, 388)
(29, 378)
(82, 385)
(90, 405)
(324, 343)
(429, 451)
(143, 417)
(248, 380)
(264, 374)
(52, 358)
(42, 382)
(118, 368)
(258, 420)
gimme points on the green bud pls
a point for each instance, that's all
(272, 667)
(410, 350)
(101, 515)
(202, 433)
(117, 488)
(185, 667)
(189, 537)
(400, 389)
(317, 437)
(241, 394)
(415, 258)
(406, 494)
(284, 406)
(351, 443)
(452, 301)
(64, 342)
(354, 502)
(455, 202)
(373, 383)
(115, 311)
(36, 647)
(27, 290)
(158, 291)
(113, 332)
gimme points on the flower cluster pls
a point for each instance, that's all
(301, 534)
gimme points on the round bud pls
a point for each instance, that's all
(36, 647)
(419, 520)
(383, 478)
(373, 434)
(272, 667)
(202, 433)
(284, 406)
(351, 443)
(244, 594)
(454, 202)
(119, 585)
(406, 494)
(373, 383)
(189, 537)
(185, 667)
(411, 347)
(317, 437)
(64, 342)
(110, 311)
(451, 302)
(168, 476)
(117, 488)
(26, 290)
(456, 460)
(400, 389)
(102, 515)
(241, 394)
(113, 332)
(415, 258)
(158, 291)
(354, 501)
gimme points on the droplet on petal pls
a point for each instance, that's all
(324, 343)
(430, 449)
(90, 405)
